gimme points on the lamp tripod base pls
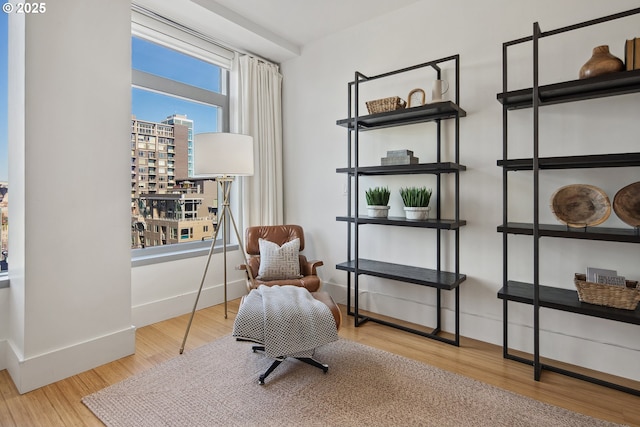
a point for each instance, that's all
(225, 216)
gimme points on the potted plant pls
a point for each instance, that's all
(416, 202)
(377, 201)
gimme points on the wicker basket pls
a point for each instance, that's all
(385, 104)
(625, 297)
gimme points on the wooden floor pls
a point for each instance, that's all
(59, 404)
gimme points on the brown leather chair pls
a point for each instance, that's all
(279, 234)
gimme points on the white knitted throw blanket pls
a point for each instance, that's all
(287, 320)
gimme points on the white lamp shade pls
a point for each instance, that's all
(219, 154)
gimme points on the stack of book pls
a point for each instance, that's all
(605, 277)
(632, 54)
(399, 157)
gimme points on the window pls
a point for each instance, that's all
(179, 89)
(4, 152)
(186, 233)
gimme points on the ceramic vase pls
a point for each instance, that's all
(374, 211)
(601, 62)
(420, 213)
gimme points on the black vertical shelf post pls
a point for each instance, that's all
(536, 206)
(505, 207)
(349, 194)
(356, 198)
(457, 199)
(438, 207)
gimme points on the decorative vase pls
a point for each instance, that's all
(377, 211)
(420, 213)
(601, 62)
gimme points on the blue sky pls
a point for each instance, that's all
(146, 105)
(164, 62)
(4, 155)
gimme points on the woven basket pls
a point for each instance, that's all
(625, 297)
(385, 104)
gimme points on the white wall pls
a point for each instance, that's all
(166, 290)
(315, 96)
(70, 294)
(4, 325)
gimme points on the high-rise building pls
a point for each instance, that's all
(181, 119)
(158, 156)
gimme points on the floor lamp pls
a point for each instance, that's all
(222, 156)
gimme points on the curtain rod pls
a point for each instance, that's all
(154, 15)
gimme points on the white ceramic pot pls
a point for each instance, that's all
(417, 212)
(378, 211)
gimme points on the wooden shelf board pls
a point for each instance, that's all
(624, 235)
(443, 224)
(619, 83)
(405, 273)
(417, 168)
(574, 162)
(424, 113)
(565, 300)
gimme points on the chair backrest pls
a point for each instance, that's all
(279, 234)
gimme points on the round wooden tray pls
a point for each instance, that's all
(626, 204)
(580, 205)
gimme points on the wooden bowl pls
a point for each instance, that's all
(626, 204)
(580, 205)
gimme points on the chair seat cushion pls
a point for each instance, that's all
(311, 283)
(279, 262)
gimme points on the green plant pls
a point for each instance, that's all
(416, 196)
(378, 196)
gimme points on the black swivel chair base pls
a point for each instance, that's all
(278, 361)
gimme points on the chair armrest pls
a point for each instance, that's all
(253, 263)
(308, 267)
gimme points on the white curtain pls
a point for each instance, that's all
(259, 114)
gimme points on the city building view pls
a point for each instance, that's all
(168, 207)
(4, 234)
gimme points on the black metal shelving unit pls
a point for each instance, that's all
(355, 265)
(534, 293)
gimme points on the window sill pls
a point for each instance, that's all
(160, 254)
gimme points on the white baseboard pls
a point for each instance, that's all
(38, 371)
(3, 353)
(167, 308)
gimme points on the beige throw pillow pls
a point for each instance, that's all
(279, 262)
